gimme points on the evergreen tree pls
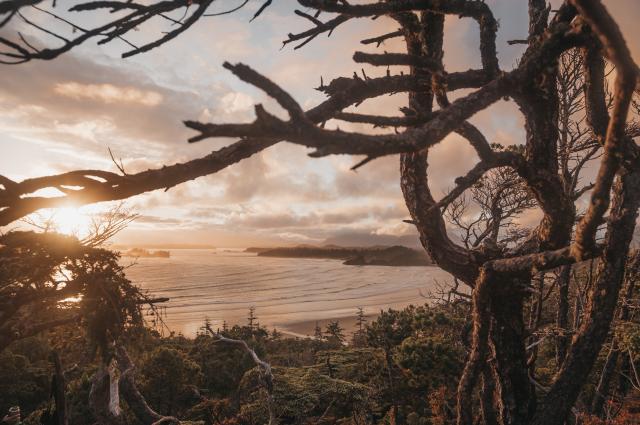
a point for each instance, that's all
(168, 377)
(275, 335)
(206, 325)
(387, 332)
(317, 332)
(361, 319)
(359, 338)
(252, 317)
(335, 333)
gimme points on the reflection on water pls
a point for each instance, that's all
(222, 285)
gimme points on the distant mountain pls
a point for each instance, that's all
(363, 239)
(356, 256)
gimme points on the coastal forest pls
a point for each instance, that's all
(538, 323)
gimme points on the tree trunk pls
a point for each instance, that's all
(516, 396)
(104, 404)
(59, 390)
(481, 315)
(488, 400)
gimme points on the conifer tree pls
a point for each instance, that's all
(317, 332)
(335, 333)
(252, 317)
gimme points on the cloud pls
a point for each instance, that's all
(63, 114)
(108, 93)
(236, 102)
(150, 219)
(128, 112)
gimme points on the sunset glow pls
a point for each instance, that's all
(71, 221)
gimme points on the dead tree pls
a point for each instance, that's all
(487, 215)
(108, 388)
(499, 275)
(263, 367)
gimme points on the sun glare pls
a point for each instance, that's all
(71, 221)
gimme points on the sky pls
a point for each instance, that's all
(62, 115)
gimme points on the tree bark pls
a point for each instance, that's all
(516, 396)
(481, 317)
(487, 396)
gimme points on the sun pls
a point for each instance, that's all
(82, 222)
(71, 221)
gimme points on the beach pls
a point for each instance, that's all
(288, 294)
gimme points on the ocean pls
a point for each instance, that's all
(223, 284)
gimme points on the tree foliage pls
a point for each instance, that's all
(170, 379)
(51, 279)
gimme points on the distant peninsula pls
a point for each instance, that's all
(399, 256)
(144, 253)
(122, 247)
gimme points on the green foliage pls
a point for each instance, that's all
(423, 349)
(77, 396)
(301, 394)
(390, 328)
(222, 365)
(361, 365)
(430, 362)
(418, 351)
(22, 382)
(110, 303)
(247, 333)
(629, 337)
(168, 378)
(214, 411)
(291, 352)
(334, 334)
